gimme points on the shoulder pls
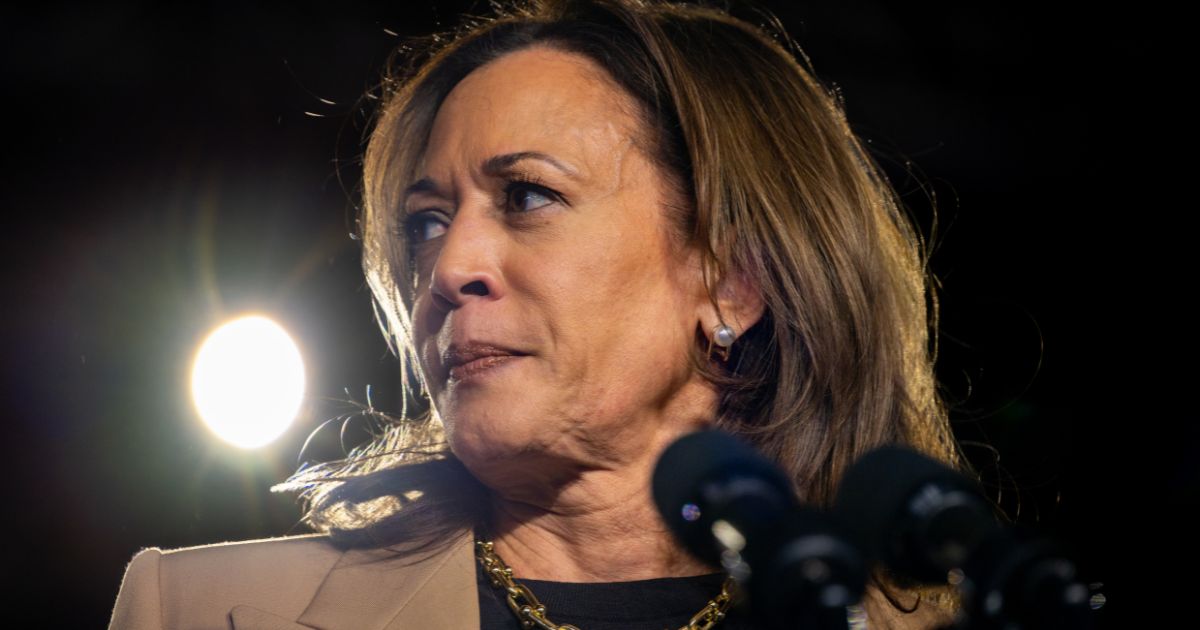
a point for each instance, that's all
(297, 582)
(201, 584)
(281, 570)
(271, 555)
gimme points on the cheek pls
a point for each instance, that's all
(622, 297)
(597, 282)
(421, 320)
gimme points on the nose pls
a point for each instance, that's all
(467, 265)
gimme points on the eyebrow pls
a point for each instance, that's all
(494, 167)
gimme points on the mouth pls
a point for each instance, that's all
(473, 360)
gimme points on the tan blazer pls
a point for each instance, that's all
(297, 583)
(304, 582)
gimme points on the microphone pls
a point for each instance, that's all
(913, 514)
(929, 524)
(731, 507)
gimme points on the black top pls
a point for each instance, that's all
(664, 603)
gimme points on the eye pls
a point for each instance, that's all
(424, 226)
(526, 196)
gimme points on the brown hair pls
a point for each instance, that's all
(778, 189)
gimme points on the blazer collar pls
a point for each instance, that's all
(377, 589)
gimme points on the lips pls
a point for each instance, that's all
(465, 361)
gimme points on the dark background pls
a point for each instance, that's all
(164, 170)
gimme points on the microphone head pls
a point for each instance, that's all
(733, 508)
(912, 513)
(1017, 579)
(708, 476)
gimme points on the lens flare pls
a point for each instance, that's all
(248, 381)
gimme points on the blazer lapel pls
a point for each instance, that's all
(376, 590)
(251, 618)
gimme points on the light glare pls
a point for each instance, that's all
(248, 381)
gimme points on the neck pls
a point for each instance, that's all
(603, 527)
(583, 511)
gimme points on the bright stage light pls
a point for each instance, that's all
(248, 381)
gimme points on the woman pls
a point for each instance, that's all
(590, 228)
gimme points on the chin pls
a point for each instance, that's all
(481, 441)
(509, 458)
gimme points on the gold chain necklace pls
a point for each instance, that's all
(532, 614)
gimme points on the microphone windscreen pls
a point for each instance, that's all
(876, 495)
(709, 475)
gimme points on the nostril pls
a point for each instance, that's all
(475, 288)
(446, 300)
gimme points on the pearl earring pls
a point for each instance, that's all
(722, 338)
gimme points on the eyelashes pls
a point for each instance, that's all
(522, 193)
(519, 182)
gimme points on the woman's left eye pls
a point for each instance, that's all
(526, 197)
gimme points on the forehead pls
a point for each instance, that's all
(536, 99)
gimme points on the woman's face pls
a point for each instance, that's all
(554, 309)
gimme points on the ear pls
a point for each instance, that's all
(735, 302)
